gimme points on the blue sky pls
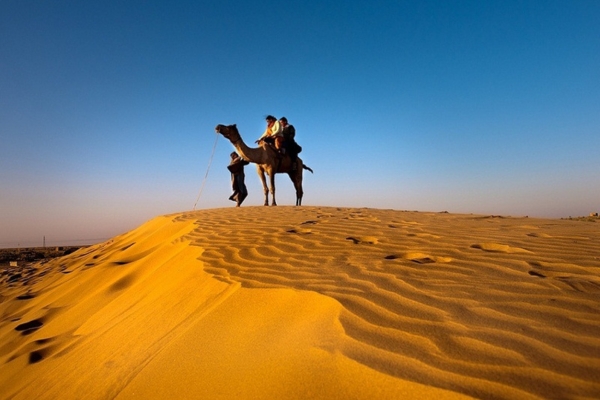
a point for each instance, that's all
(108, 109)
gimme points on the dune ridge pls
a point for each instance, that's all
(316, 302)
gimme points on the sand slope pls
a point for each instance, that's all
(312, 302)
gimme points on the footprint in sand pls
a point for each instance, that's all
(577, 283)
(362, 217)
(122, 283)
(26, 296)
(363, 240)
(42, 349)
(121, 262)
(36, 356)
(300, 231)
(14, 278)
(419, 258)
(498, 248)
(535, 273)
(539, 235)
(423, 235)
(126, 247)
(29, 327)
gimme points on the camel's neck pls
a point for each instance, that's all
(255, 155)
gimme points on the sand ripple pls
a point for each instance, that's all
(478, 305)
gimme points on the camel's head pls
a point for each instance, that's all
(229, 132)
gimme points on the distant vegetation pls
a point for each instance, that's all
(593, 217)
(31, 254)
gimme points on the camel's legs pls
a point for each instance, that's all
(296, 178)
(299, 193)
(261, 175)
(272, 179)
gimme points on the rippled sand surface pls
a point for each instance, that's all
(312, 302)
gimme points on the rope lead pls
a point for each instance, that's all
(207, 169)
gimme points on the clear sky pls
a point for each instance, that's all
(108, 108)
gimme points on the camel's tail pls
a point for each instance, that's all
(308, 168)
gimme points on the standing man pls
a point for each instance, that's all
(236, 167)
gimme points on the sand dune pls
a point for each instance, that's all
(312, 302)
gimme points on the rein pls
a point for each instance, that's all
(207, 169)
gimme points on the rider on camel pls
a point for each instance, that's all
(274, 132)
(289, 143)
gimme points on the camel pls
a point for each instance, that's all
(266, 160)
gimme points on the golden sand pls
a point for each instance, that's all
(312, 302)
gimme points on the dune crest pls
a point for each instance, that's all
(316, 302)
